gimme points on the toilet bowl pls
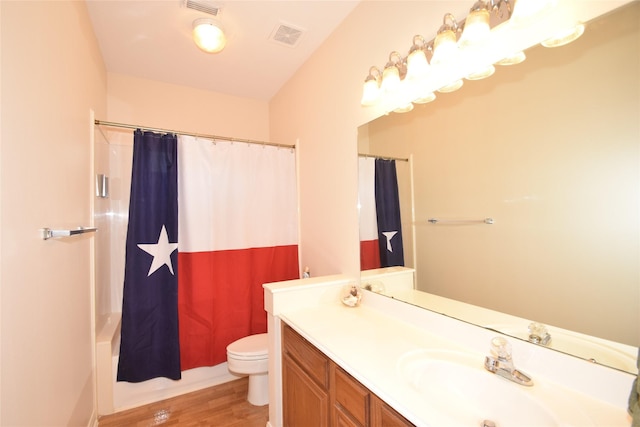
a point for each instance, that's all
(250, 356)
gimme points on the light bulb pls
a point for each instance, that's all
(476, 28)
(564, 37)
(417, 65)
(370, 92)
(445, 47)
(451, 87)
(390, 79)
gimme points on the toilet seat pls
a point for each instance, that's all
(253, 347)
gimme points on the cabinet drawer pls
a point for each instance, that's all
(314, 363)
(351, 396)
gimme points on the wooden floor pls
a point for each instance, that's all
(222, 405)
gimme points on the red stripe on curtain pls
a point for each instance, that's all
(221, 299)
(369, 254)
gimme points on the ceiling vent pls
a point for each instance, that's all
(203, 6)
(286, 35)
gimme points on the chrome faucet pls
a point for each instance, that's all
(538, 334)
(500, 362)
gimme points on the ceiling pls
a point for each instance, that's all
(151, 39)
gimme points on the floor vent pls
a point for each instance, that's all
(203, 6)
(286, 35)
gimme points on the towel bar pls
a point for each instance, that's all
(461, 221)
(48, 233)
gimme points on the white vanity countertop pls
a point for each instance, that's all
(368, 343)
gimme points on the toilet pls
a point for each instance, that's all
(250, 356)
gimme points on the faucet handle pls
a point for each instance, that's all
(538, 333)
(500, 348)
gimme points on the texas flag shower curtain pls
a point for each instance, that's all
(380, 224)
(369, 252)
(193, 277)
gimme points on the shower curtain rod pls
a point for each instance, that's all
(197, 135)
(400, 159)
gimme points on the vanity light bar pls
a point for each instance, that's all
(494, 32)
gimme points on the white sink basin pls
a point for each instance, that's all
(578, 345)
(459, 391)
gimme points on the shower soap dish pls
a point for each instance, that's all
(351, 296)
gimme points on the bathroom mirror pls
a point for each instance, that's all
(550, 150)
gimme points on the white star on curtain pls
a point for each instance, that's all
(160, 251)
(389, 235)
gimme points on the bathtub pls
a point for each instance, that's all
(114, 396)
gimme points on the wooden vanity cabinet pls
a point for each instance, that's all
(317, 392)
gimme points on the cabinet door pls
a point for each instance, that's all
(304, 402)
(350, 398)
(384, 415)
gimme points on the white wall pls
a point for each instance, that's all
(51, 78)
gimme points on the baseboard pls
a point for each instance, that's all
(93, 421)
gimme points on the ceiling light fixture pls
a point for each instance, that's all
(470, 49)
(208, 35)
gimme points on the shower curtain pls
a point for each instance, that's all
(236, 229)
(388, 214)
(380, 225)
(369, 251)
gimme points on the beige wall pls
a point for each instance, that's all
(51, 78)
(157, 104)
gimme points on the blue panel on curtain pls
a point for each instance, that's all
(149, 346)
(388, 214)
